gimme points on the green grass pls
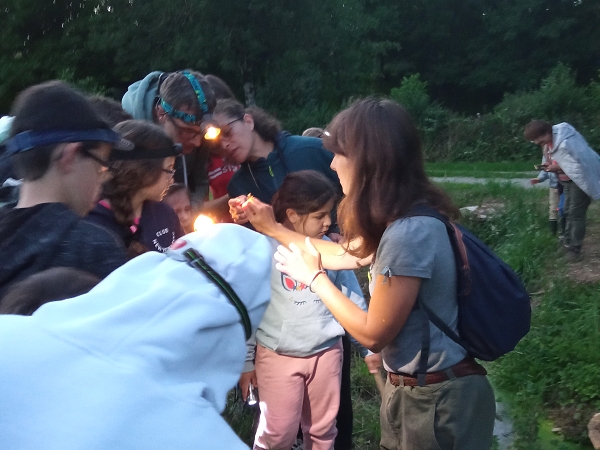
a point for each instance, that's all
(549, 440)
(482, 169)
(554, 369)
(240, 416)
(365, 401)
(519, 235)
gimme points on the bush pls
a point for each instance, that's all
(498, 136)
(431, 118)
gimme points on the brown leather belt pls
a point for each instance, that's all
(467, 366)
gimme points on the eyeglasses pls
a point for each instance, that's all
(171, 172)
(185, 133)
(105, 166)
(227, 129)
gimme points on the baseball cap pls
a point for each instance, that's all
(53, 113)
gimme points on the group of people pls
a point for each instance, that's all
(107, 194)
(572, 169)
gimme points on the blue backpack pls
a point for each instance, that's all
(494, 310)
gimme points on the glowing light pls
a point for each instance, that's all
(202, 222)
(249, 198)
(212, 132)
(251, 399)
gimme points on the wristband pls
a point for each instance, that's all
(319, 272)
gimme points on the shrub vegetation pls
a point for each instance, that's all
(498, 135)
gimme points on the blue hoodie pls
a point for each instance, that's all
(264, 176)
(143, 361)
(140, 98)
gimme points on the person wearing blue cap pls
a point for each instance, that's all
(131, 200)
(60, 148)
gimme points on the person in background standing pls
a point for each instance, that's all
(578, 169)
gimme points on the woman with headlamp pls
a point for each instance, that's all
(253, 138)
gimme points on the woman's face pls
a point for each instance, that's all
(341, 165)
(158, 190)
(237, 137)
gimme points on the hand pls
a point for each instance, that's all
(534, 181)
(373, 363)
(260, 214)
(237, 212)
(336, 237)
(552, 167)
(300, 265)
(245, 379)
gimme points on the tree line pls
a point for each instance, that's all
(303, 59)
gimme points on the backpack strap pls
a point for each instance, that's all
(462, 286)
(439, 323)
(425, 344)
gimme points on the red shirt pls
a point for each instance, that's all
(219, 174)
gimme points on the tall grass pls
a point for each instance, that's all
(365, 401)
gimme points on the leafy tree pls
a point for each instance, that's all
(306, 55)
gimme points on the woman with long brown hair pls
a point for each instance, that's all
(130, 205)
(380, 165)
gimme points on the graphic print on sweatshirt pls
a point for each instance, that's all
(291, 285)
(163, 240)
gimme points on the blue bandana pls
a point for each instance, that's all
(30, 139)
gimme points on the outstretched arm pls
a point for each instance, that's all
(391, 303)
(334, 256)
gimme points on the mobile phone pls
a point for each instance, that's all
(540, 166)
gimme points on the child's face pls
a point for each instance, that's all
(315, 224)
(180, 202)
(157, 191)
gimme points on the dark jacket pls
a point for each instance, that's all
(158, 227)
(52, 235)
(263, 177)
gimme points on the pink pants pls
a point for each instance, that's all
(294, 391)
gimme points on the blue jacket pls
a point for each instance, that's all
(143, 361)
(263, 177)
(140, 98)
(550, 176)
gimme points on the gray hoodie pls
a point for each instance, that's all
(576, 158)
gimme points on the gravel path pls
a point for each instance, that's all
(523, 182)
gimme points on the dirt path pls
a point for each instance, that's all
(588, 269)
(523, 182)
